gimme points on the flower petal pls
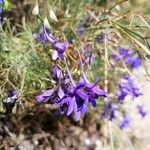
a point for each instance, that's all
(82, 94)
(77, 113)
(71, 102)
(93, 102)
(61, 93)
(84, 109)
(99, 92)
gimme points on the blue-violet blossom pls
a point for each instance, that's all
(125, 122)
(127, 87)
(70, 98)
(47, 38)
(141, 111)
(130, 58)
(1, 10)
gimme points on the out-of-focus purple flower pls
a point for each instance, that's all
(56, 73)
(141, 111)
(1, 10)
(127, 87)
(125, 53)
(130, 58)
(134, 61)
(125, 123)
(1, 1)
(110, 111)
(80, 30)
(101, 38)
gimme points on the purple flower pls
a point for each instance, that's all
(110, 111)
(47, 38)
(73, 98)
(125, 53)
(1, 10)
(127, 87)
(130, 58)
(46, 96)
(44, 36)
(59, 49)
(141, 111)
(56, 73)
(80, 30)
(1, 1)
(134, 61)
(100, 38)
(125, 122)
(79, 97)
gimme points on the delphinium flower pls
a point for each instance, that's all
(79, 97)
(47, 38)
(54, 94)
(110, 111)
(1, 10)
(130, 58)
(59, 49)
(44, 36)
(141, 111)
(73, 98)
(125, 122)
(46, 95)
(56, 73)
(127, 87)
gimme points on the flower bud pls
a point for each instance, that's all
(46, 23)
(52, 15)
(36, 9)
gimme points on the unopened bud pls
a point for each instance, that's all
(46, 23)
(52, 15)
(36, 9)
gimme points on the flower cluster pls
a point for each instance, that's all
(127, 87)
(48, 38)
(72, 98)
(130, 58)
(110, 111)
